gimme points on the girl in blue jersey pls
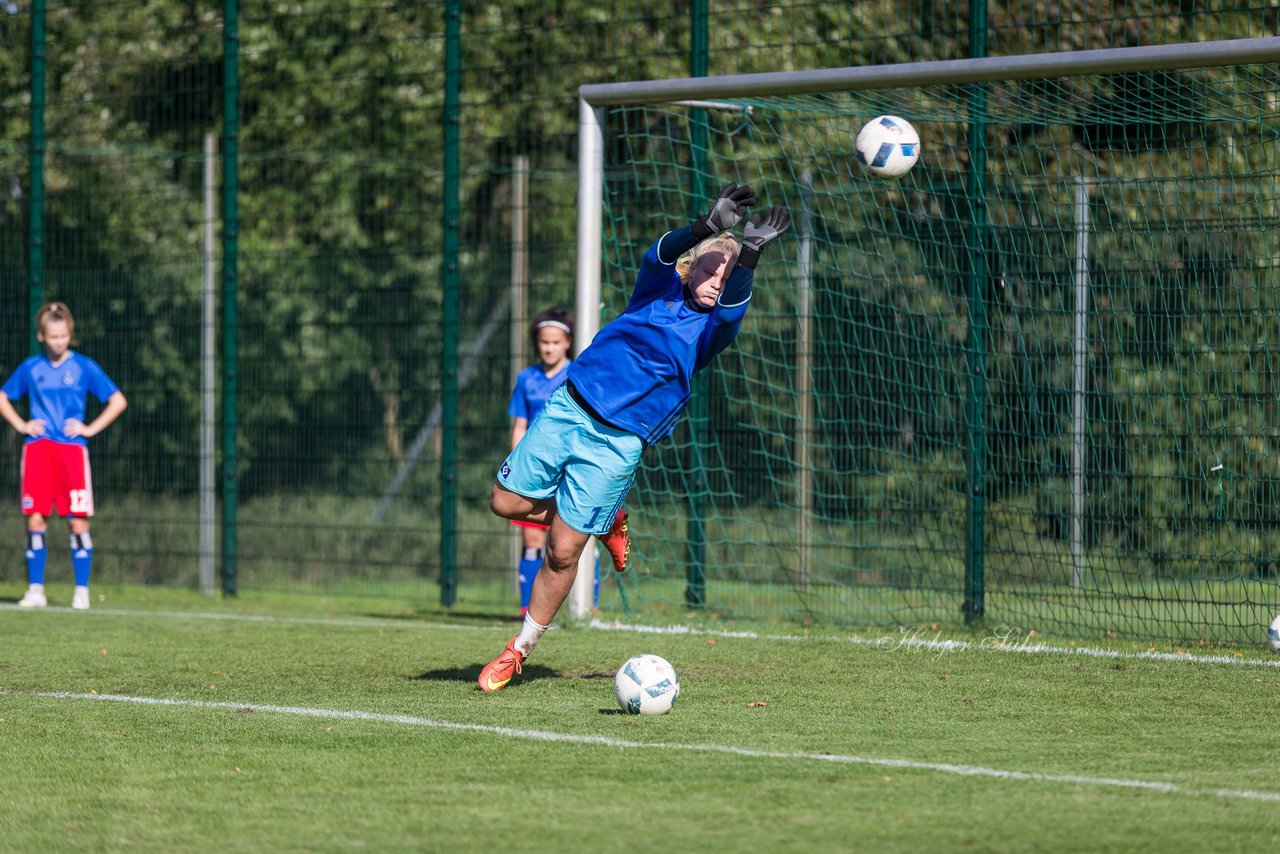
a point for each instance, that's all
(55, 456)
(551, 334)
(626, 391)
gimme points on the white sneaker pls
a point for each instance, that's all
(80, 599)
(35, 597)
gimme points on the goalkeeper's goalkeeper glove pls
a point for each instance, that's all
(756, 235)
(726, 211)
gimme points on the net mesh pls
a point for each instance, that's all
(830, 471)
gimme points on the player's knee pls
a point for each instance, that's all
(561, 557)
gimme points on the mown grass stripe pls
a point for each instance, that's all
(616, 743)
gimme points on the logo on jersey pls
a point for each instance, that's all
(67, 379)
(505, 471)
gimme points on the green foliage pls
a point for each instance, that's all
(340, 238)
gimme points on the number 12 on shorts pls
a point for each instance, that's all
(80, 502)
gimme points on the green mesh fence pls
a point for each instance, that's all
(15, 58)
(339, 277)
(129, 96)
(342, 174)
(834, 450)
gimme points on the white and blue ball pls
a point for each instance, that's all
(1273, 635)
(646, 685)
(887, 147)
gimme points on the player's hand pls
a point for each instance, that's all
(74, 428)
(727, 210)
(760, 233)
(34, 427)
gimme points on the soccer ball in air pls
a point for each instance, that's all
(1273, 635)
(887, 147)
(646, 685)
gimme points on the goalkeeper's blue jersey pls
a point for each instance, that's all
(637, 372)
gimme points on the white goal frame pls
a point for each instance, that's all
(594, 98)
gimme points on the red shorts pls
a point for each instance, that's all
(520, 524)
(55, 474)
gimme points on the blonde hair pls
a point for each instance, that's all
(723, 242)
(56, 311)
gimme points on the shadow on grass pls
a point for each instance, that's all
(472, 674)
(447, 616)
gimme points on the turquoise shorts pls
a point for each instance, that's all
(586, 466)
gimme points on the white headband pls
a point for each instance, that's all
(555, 324)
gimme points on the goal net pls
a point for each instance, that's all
(1034, 382)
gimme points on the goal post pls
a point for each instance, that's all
(1036, 380)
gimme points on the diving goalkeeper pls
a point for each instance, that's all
(573, 468)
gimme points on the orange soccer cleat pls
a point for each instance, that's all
(618, 542)
(497, 673)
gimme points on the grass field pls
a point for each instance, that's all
(860, 574)
(161, 720)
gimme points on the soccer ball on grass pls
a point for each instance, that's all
(646, 685)
(887, 147)
(1273, 635)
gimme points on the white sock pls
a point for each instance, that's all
(36, 588)
(528, 637)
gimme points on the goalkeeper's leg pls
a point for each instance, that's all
(512, 505)
(550, 589)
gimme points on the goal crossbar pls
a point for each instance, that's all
(1072, 63)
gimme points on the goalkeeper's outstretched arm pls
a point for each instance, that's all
(726, 211)
(731, 306)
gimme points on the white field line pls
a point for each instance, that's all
(617, 743)
(362, 623)
(1004, 639)
(910, 639)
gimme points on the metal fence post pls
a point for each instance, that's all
(35, 235)
(976, 404)
(230, 286)
(451, 282)
(695, 594)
